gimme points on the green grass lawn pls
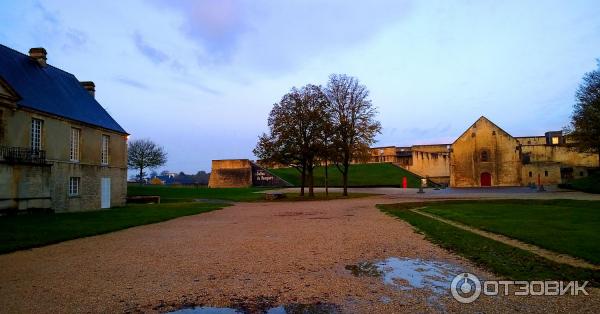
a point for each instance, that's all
(502, 259)
(360, 175)
(34, 230)
(170, 194)
(563, 226)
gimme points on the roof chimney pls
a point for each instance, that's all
(39, 54)
(90, 87)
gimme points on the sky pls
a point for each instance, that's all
(200, 77)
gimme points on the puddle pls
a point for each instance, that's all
(292, 308)
(409, 274)
(365, 269)
(385, 299)
(207, 310)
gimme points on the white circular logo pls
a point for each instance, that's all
(465, 288)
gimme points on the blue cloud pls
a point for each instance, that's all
(131, 82)
(150, 52)
(277, 37)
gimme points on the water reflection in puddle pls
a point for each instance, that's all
(417, 273)
(364, 269)
(207, 310)
(408, 274)
(314, 308)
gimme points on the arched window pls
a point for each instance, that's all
(530, 174)
(484, 155)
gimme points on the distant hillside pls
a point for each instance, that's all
(360, 176)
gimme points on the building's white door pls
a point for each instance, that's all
(105, 192)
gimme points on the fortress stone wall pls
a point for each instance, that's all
(239, 173)
(233, 173)
(486, 155)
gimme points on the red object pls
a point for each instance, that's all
(486, 179)
(404, 184)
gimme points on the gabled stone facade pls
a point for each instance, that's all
(485, 155)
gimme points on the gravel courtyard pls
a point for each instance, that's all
(252, 255)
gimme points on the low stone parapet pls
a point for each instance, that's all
(270, 196)
(143, 199)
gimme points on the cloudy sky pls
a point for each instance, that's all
(200, 77)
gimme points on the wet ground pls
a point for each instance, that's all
(434, 277)
(293, 308)
(254, 257)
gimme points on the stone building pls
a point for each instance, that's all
(59, 149)
(486, 155)
(239, 173)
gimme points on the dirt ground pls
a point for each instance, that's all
(251, 255)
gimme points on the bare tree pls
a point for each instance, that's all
(585, 122)
(353, 120)
(145, 154)
(327, 152)
(295, 127)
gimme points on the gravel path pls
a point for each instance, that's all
(272, 253)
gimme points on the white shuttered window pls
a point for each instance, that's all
(105, 142)
(75, 136)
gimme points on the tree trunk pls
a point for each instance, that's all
(302, 179)
(345, 175)
(141, 174)
(326, 181)
(311, 181)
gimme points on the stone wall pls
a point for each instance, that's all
(90, 188)
(230, 173)
(546, 172)
(563, 154)
(432, 161)
(237, 173)
(381, 154)
(531, 140)
(24, 186)
(20, 182)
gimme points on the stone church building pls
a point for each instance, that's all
(59, 149)
(486, 155)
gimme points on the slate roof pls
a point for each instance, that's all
(52, 90)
